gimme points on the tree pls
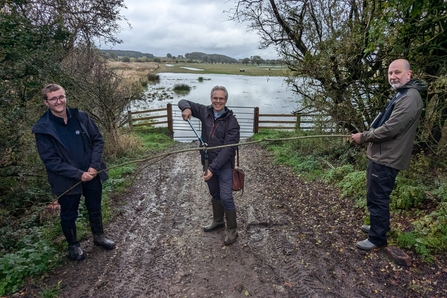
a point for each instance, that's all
(35, 37)
(168, 55)
(257, 59)
(108, 93)
(246, 61)
(338, 51)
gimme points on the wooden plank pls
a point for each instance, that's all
(148, 118)
(148, 111)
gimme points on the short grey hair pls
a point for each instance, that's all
(216, 88)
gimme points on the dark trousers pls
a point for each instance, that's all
(220, 188)
(380, 184)
(92, 192)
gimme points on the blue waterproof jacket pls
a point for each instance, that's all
(216, 132)
(58, 161)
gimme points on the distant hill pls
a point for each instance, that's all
(130, 54)
(197, 56)
(211, 58)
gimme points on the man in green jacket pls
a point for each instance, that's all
(390, 139)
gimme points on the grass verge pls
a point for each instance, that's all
(35, 244)
(418, 202)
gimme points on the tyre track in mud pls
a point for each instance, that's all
(296, 239)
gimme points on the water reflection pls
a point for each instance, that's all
(270, 94)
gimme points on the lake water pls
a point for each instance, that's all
(270, 94)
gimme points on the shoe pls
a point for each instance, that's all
(366, 245)
(366, 228)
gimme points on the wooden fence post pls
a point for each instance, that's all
(298, 121)
(170, 120)
(129, 119)
(256, 120)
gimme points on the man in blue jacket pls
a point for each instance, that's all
(219, 127)
(71, 147)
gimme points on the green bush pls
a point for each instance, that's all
(336, 175)
(181, 88)
(354, 185)
(405, 195)
(429, 234)
(152, 77)
(32, 260)
(441, 192)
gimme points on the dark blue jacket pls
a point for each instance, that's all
(58, 161)
(216, 132)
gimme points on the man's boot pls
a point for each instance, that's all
(218, 216)
(75, 252)
(231, 232)
(98, 232)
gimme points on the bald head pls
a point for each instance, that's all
(399, 73)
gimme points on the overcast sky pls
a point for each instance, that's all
(184, 26)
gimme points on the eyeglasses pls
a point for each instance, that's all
(56, 98)
(218, 98)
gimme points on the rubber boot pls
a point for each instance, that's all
(98, 231)
(218, 217)
(231, 232)
(75, 252)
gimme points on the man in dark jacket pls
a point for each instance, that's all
(71, 147)
(390, 141)
(219, 127)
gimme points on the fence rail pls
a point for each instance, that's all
(250, 120)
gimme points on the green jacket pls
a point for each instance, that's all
(391, 143)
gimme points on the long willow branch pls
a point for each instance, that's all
(164, 155)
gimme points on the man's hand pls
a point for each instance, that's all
(357, 137)
(86, 176)
(186, 114)
(207, 175)
(93, 171)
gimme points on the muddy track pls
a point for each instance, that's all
(296, 239)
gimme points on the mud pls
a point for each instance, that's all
(296, 239)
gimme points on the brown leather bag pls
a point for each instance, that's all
(238, 176)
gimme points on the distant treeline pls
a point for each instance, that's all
(128, 56)
(210, 58)
(115, 54)
(194, 56)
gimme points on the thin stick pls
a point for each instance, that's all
(163, 155)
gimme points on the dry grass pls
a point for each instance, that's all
(141, 69)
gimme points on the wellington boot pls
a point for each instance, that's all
(102, 241)
(231, 232)
(98, 231)
(218, 217)
(75, 252)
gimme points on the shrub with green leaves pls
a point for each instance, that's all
(354, 185)
(405, 195)
(337, 174)
(32, 260)
(429, 234)
(441, 192)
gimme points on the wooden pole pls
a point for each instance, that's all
(170, 119)
(256, 120)
(129, 119)
(298, 121)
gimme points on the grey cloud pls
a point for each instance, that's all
(181, 26)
